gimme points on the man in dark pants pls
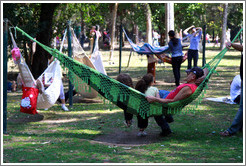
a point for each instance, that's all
(195, 37)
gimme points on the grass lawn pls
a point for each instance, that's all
(88, 133)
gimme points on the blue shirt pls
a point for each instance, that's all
(194, 41)
(175, 50)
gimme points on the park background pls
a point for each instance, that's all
(91, 133)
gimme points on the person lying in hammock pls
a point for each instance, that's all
(194, 77)
(46, 84)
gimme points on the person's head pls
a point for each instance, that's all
(125, 79)
(171, 34)
(146, 81)
(193, 74)
(172, 37)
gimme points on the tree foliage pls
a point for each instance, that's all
(26, 16)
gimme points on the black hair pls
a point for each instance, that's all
(173, 39)
(143, 84)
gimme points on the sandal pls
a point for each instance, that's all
(225, 134)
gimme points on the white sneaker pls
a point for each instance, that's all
(65, 108)
(142, 134)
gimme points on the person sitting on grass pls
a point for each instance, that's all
(11, 86)
(194, 77)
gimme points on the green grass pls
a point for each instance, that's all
(55, 136)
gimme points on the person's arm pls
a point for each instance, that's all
(199, 30)
(200, 80)
(183, 93)
(238, 47)
(187, 29)
(157, 94)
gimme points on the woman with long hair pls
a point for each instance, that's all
(175, 47)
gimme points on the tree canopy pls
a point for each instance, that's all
(131, 15)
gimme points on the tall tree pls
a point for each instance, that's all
(169, 19)
(148, 23)
(40, 57)
(158, 17)
(224, 25)
(112, 33)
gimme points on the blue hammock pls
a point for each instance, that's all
(146, 48)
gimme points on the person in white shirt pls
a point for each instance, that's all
(235, 89)
(156, 36)
(228, 35)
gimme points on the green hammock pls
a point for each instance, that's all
(127, 97)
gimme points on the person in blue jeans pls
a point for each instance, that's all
(175, 47)
(195, 38)
(237, 123)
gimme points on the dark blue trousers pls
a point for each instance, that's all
(192, 54)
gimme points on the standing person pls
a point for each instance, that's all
(195, 37)
(96, 37)
(92, 36)
(145, 85)
(175, 47)
(156, 36)
(127, 80)
(82, 38)
(207, 38)
(216, 41)
(237, 123)
(228, 35)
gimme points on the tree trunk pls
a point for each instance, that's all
(169, 19)
(136, 33)
(40, 57)
(148, 24)
(162, 40)
(112, 34)
(224, 25)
